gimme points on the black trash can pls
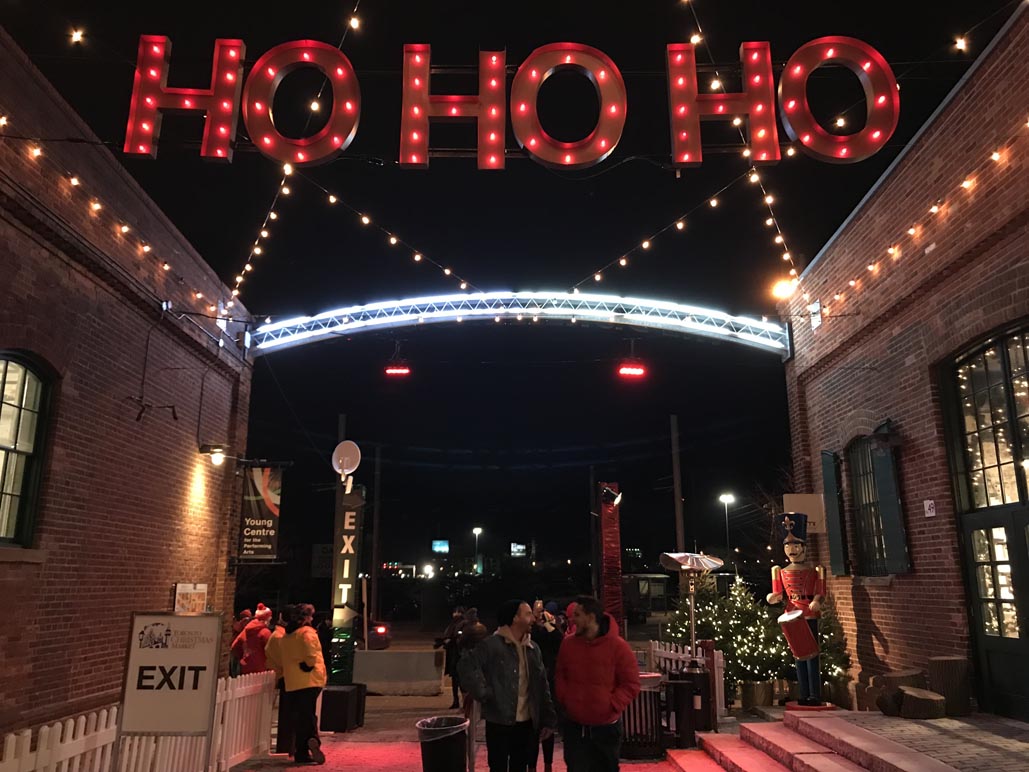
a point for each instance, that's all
(444, 741)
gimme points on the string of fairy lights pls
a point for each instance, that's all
(99, 209)
(771, 221)
(390, 237)
(994, 163)
(782, 289)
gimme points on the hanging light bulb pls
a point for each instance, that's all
(464, 285)
(417, 257)
(769, 199)
(716, 84)
(737, 121)
(841, 122)
(447, 271)
(74, 182)
(623, 262)
(273, 215)
(960, 44)
(315, 106)
(695, 38)
(354, 22)
(779, 239)
(287, 169)
(597, 277)
(791, 152)
(264, 233)
(713, 202)
(645, 245)
(77, 36)
(770, 222)
(680, 225)
(754, 177)
(393, 240)
(366, 219)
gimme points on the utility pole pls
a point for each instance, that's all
(680, 536)
(376, 502)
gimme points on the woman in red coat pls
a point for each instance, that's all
(250, 644)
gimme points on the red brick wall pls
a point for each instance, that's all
(127, 507)
(963, 275)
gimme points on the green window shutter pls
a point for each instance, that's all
(834, 525)
(895, 546)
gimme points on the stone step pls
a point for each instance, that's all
(824, 762)
(780, 742)
(735, 755)
(865, 749)
(690, 761)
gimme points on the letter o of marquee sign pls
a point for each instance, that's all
(882, 99)
(259, 95)
(606, 79)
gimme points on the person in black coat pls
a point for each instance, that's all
(451, 643)
(547, 634)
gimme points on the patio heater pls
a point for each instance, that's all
(693, 566)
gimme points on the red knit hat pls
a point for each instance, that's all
(263, 612)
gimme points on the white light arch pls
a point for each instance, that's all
(529, 306)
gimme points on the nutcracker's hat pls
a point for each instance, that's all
(791, 527)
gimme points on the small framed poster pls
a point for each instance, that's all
(190, 598)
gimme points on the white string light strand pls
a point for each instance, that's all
(994, 161)
(772, 221)
(679, 225)
(257, 247)
(391, 237)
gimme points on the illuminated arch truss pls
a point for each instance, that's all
(527, 307)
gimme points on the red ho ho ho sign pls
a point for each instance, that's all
(757, 103)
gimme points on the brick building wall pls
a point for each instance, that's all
(883, 345)
(127, 507)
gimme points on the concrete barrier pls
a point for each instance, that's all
(400, 672)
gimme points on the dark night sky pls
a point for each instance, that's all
(499, 423)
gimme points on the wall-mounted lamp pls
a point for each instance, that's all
(215, 451)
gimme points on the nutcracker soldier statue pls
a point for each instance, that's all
(802, 586)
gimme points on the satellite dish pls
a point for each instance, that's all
(346, 457)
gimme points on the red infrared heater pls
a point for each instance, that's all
(632, 370)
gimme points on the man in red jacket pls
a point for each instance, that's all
(596, 679)
(250, 644)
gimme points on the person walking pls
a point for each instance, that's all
(547, 634)
(303, 670)
(505, 674)
(241, 621)
(451, 642)
(596, 678)
(273, 659)
(249, 645)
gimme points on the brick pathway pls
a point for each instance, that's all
(977, 742)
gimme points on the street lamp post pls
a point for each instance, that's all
(727, 499)
(477, 531)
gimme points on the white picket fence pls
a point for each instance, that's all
(669, 657)
(242, 730)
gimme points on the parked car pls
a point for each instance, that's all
(379, 634)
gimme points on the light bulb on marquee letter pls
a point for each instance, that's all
(687, 107)
(602, 72)
(151, 97)
(882, 99)
(419, 105)
(259, 95)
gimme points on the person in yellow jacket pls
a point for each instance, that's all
(297, 655)
(273, 659)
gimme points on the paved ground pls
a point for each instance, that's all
(976, 742)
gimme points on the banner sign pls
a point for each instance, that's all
(346, 548)
(172, 674)
(259, 526)
(757, 104)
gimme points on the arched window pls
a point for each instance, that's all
(23, 400)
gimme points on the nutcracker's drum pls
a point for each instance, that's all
(798, 635)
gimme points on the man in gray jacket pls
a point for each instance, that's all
(505, 674)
